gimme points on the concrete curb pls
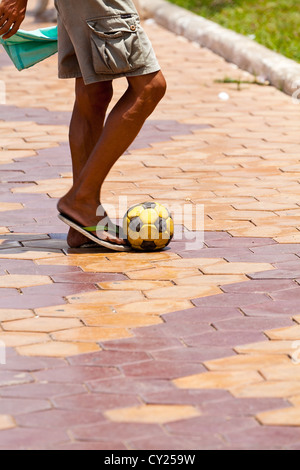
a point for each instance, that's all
(247, 54)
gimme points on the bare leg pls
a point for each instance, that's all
(85, 130)
(121, 128)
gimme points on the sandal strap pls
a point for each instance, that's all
(102, 228)
(90, 229)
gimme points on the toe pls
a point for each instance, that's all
(112, 239)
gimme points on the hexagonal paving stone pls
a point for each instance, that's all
(152, 414)
(251, 362)
(14, 314)
(106, 297)
(20, 281)
(10, 206)
(270, 389)
(219, 380)
(19, 338)
(58, 349)
(41, 324)
(92, 334)
(284, 417)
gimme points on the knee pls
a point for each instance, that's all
(158, 88)
(148, 91)
(154, 92)
(93, 99)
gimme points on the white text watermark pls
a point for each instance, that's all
(188, 221)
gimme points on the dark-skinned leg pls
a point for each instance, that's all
(86, 128)
(120, 130)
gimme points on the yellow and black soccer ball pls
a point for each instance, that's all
(148, 226)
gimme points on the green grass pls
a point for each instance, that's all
(275, 24)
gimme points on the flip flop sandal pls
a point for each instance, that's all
(112, 229)
(89, 245)
(87, 231)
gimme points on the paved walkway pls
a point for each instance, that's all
(175, 350)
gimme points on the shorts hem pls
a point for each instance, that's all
(136, 73)
(64, 76)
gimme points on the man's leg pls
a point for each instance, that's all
(85, 130)
(121, 128)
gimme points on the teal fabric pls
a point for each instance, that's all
(27, 48)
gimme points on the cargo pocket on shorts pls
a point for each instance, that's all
(116, 46)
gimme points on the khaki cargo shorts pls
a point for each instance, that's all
(100, 40)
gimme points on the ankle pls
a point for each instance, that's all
(86, 198)
(77, 207)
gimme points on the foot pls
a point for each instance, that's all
(85, 215)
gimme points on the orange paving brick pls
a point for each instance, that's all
(6, 206)
(58, 349)
(252, 362)
(270, 389)
(19, 338)
(73, 310)
(91, 335)
(284, 417)
(211, 279)
(19, 281)
(6, 422)
(118, 320)
(266, 347)
(288, 372)
(154, 307)
(236, 268)
(41, 325)
(14, 314)
(152, 414)
(21, 254)
(219, 380)
(285, 334)
(183, 292)
(134, 285)
(164, 273)
(105, 297)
